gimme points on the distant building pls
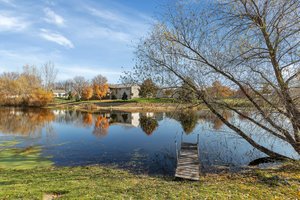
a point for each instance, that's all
(117, 91)
(60, 93)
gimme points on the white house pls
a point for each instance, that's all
(60, 93)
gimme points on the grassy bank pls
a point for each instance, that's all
(59, 101)
(97, 182)
(138, 104)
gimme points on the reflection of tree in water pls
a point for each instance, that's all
(70, 117)
(188, 121)
(25, 122)
(125, 117)
(87, 119)
(101, 126)
(217, 123)
(148, 124)
(113, 117)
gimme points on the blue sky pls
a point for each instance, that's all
(81, 37)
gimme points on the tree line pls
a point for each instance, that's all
(82, 89)
(183, 92)
(31, 87)
(34, 86)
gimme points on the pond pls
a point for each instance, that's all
(140, 142)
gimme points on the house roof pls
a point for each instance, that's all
(116, 86)
(58, 91)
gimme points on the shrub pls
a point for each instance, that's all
(39, 97)
(124, 97)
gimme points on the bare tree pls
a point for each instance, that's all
(99, 80)
(48, 75)
(64, 85)
(244, 43)
(79, 83)
(30, 79)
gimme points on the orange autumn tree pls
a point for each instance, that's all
(100, 91)
(218, 90)
(87, 119)
(101, 126)
(39, 97)
(100, 86)
(87, 93)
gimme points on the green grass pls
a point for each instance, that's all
(20, 158)
(62, 100)
(95, 182)
(238, 102)
(150, 100)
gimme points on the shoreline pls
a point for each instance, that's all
(97, 106)
(132, 105)
(125, 106)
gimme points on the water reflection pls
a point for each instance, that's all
(25, 121)
(215, 121)
(101, 126)
(131, 119)
(187, 119)
(148, 124)
(139, 141)
(32, 121)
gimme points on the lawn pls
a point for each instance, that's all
(151, 100)
(96, 182)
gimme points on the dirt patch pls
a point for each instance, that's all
(53, 195)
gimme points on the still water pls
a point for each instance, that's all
(140, 142)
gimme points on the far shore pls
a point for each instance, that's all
(135, 105)
(126, 106)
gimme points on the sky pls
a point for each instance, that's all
(81, 37)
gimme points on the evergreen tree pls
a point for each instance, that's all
(148, 89)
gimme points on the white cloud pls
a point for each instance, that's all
(57, 38)
(106, 14)
(106, 33)
(10, 23)
(53, 18)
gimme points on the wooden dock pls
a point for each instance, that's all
(188, 165)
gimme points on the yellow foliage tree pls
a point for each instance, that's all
(87, 93)
(100, 91)
(23, 89)
(88, 119)
(218, 90)
(101, 126)
(39, 97)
